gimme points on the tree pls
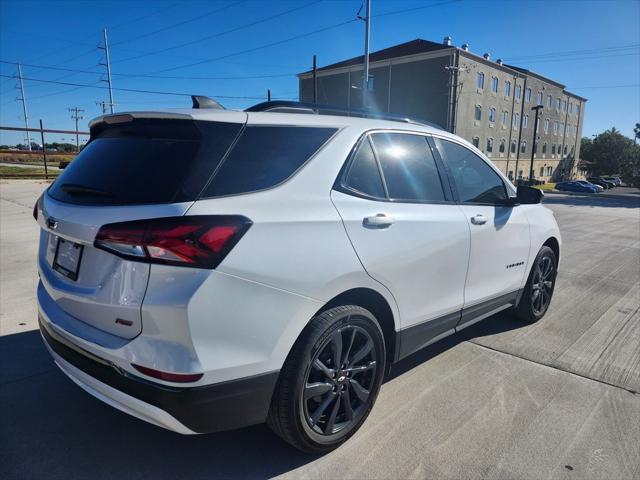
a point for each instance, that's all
(611, 153)
(636, 133)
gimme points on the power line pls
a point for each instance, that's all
(573, 52)
(134, 90)
(590, 57)
(219, 34)
(179, 24)
(605, 86)
(405, 10)
(142, 75)
(272, 44)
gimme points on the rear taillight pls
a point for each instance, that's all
(196, 241)
(169, 376)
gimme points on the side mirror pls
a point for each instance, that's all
(529, 195)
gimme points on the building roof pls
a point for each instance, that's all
(402, 50)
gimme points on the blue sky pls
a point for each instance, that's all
(230, 38)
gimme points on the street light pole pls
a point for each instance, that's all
(537, 108)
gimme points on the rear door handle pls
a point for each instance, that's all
(479, 219)
(380, 220)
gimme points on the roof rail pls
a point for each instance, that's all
(287, 106)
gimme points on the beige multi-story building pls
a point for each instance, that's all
(484, 101)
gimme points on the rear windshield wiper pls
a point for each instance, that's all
(73, 189)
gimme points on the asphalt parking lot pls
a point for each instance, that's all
(558, 399)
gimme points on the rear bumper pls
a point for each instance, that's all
(202, 409)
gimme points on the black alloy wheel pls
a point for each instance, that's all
(330, 380)
(542, 285)
(339, 381)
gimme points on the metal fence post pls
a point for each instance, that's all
(44, 152)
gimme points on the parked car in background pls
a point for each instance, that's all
(600, 181)
(576, 187)
(295, 254)
(598, 187)
(616, 180)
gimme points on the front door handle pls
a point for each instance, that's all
(479, 219)
(380, 220)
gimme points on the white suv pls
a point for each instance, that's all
(206, 269)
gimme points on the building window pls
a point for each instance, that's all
(549, 171)
(492, 115)
(513, 146)
(561, 132)
(489, 145)
(570, 107)
(527, 95)
(476, 142)
(494, 84)
(505, 117)
(541, 171)
(507, 89)
(478, 113)
(523, 146)
(520, 172)
(577, 110)
(565, 149)
(539, 99)
(516, 120)
(558, 104)
(555, 127)
(502, 145)
(525, 121)
(549, 101)
(518, 91)
(553, 149)
(510, 175)
(546, 125)
(564, 106)
(480, 80)
(544, 148)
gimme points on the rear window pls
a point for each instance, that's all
(266, 156)
(145, 161)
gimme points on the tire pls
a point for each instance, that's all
(320, 423)
(537, 295)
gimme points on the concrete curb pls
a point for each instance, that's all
(594, 195)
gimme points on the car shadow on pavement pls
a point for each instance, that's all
(50, 428)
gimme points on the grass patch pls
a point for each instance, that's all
(22, 172)
(545, 186)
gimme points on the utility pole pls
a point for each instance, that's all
(315, 80)
(365, 73)
(108, 65)
(537, 108)
(24, 107)
(44, 152)
(76, 116)
(103, 105)
(268, 95)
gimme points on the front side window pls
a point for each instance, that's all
(363, 175)
(507, 89)
(476, 182)
(265, 156)
(478, 113)
(408, 167)
(492, 115)
(480, 80)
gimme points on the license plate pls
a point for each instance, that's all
(67, 258)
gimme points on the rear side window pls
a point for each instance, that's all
(475, 181)
(408, 167)
(363, 175)
(265, 156)
(145, 161)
